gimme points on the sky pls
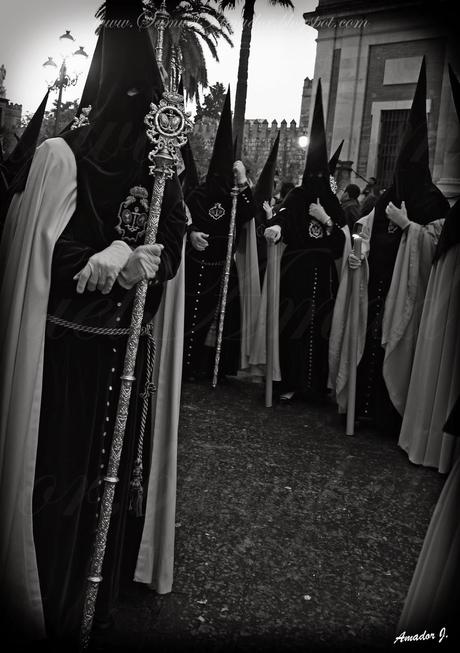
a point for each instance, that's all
(282, 52)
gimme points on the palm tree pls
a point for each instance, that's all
(242, 83)
(191, 24)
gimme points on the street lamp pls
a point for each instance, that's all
(303, 140)
(72, 64)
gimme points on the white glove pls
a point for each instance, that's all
(239, 171)
(397, 216)
(317, 212)
(354, 262)
(103, 268)
(273, 234)
(199, 240)
(142, 264)
(268, 210)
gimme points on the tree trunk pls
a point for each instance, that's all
(242, 85)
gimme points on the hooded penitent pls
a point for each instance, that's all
(113, 192)
(263, 190)
(219, 179)
(210, 202)
(15, 168)
(424, 202)
(88, 98)
(111, 152)
(412, 177)
(188, 177)
(450, 234)
(335, 159)
(315, 181)
(308, 272)
(27, 143)
(210, 206)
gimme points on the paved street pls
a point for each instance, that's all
(290, 535)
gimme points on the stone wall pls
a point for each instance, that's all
(10, 121)
(259, 136)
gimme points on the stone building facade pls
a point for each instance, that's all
(10, 117)
(306, 102)
(368, 58)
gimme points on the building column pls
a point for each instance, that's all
(343, 174)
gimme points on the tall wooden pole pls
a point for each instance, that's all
(354, 326)
(270, 324)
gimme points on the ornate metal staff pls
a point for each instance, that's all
(228, 262)
(168, 127)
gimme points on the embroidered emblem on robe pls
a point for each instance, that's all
(392, 228)
(83, 119)
(217, 211)
(333, 184)
(132, 216)
(315, 230)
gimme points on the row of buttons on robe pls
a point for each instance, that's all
(195, 311)
(103, 457)
(245, 197)
(311, 335)
(375, 343)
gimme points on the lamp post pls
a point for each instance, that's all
(303, 140)
(72, 64)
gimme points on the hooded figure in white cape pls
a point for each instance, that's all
(399, 241)
(435, 382)
(71, 255)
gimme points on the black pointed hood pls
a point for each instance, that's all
(220, 171)
(91, 88)
(450, 234)
(335, 159)
(189, 176)
(127, 62)
(412, 164)
(25, 148)
(455, 88)
(315, 181)
(15, 169)
(316, 164)
(412, 177)
(263, 190)
(127, 83)
(235, 147)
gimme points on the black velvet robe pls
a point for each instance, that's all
(203, 285)
(308, 287)
(372, 398)
(79, 399)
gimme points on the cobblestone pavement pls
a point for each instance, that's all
(290, 535)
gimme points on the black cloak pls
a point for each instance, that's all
(309, 281)
(82, 370)
(210, 207)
